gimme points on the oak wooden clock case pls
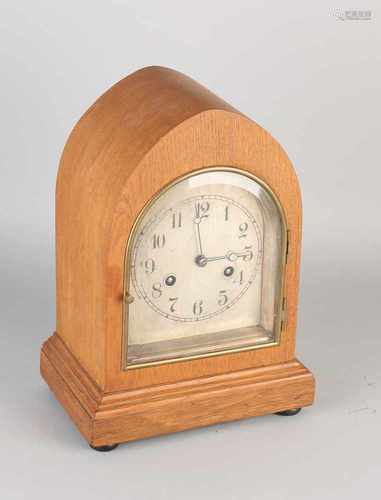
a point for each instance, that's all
(136, 351)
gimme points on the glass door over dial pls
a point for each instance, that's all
(204, 269)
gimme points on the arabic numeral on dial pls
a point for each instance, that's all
(172, 301)
(243, 229)
(156, 290)
(198, 307)
(202, 209)
(223, 298)
(239, 278)
(158, 240)
(176, 220)
(149, 266)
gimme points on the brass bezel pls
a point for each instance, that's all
(126, 275)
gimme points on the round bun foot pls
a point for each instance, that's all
(104, 447)
(289, 413)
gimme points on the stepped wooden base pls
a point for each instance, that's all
(109, 418)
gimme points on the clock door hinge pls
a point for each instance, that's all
(283, 320)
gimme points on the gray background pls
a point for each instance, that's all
(314, 83)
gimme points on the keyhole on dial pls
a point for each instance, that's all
(228, 271)
(170, 280)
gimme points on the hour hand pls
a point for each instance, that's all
(231, 256)
(246, 255)
(201, 260)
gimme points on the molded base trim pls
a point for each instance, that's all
(109, 418)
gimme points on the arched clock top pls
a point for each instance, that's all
(143, 136)
(151, 127)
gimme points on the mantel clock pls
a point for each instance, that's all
(178, 225)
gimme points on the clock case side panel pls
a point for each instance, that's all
(101, 153)
(211, 138)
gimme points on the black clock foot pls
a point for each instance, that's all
(105, 447)
(289, 413)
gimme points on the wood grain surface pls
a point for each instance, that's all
(108, 418)
(146, 131)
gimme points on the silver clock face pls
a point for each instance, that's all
(184, 276)
(203, 269)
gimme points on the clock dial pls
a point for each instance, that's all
(204, 269)
(215, 238)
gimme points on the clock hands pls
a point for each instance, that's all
(201, 260)
(200, 213)
(197, 221)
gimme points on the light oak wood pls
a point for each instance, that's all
(143, 133)
(108, 418)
